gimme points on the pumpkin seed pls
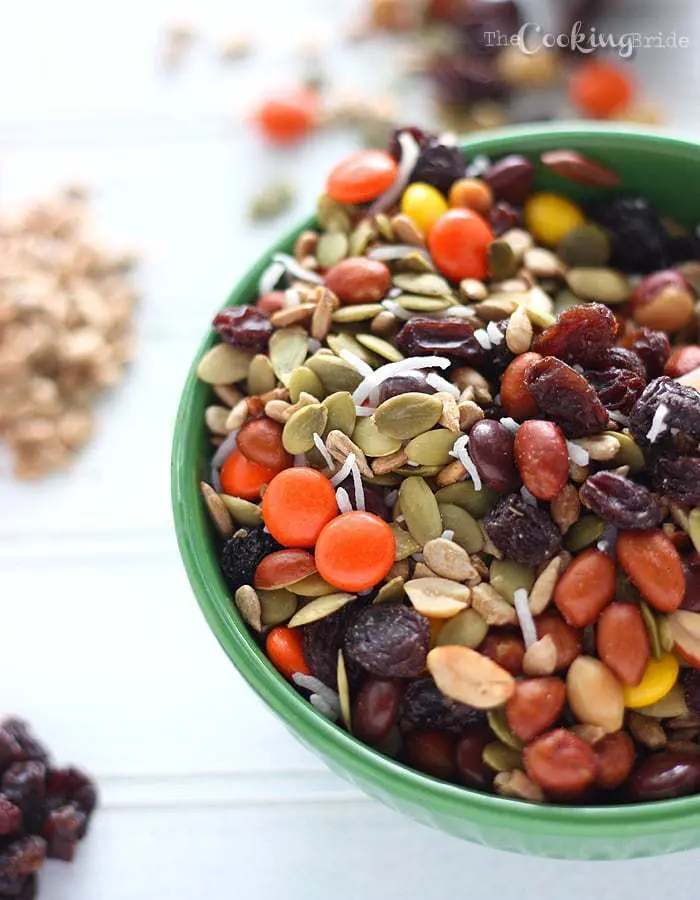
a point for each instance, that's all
(542, 263)
(476, 503)
(341, 412)
(371, 440)
(299, 430)
(467, 532)
(336, 374)
(383, 225)
(405, 231)
(666, 638)
(518, 240)
(501, 758)
(344, 692)
(313, 586)
(405, 544)
(502, 261)
(508, 577)
(320, 608)
(380, 347)
(243, 511)
(673, 704)
(261, 376)
(306, 381)
(277, 606)
(408, 415)
(330, 213)
(652, 629)
(423, 471)
(360, 238)
(343, 341)
(426, 283)
(466, 629)
(694, 527)
(288, 349)
(499, 725)
(223, 364)
(216, 417)
(585, 246)
(564, 300)
(603, 285)
(391, 592)
(218, 511)
(583, 533)
(416, 303)
(331, 248)
(431, 448)
(629, 453)
(358, 312)
(420, 509)
(248, 605)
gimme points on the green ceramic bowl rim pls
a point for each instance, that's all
(352, 756)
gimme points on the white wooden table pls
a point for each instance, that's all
(103, 647)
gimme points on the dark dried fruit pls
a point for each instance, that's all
(491, 449)
(389, 640)
(581, 334)
(566, 397)
(19, 887)
(665, 775)
(425, 706)
(71, 785)
(620, 501)
(241, 556)
(678, 479)
(22, 857)
(638, 239)
(499, 356)
(420, 135)
(374, 498)
(478, 20)
(510, 178)
(690, 681)
(452, 338)
(20, 734)
(523, 533)
(10, 817)
(322, 640)
(244, 327)
(405, 383)
(63, 828)
(691, 570)
(682, 403)
(376, 709)
(622, 358)
(462, 79)
(502, 217)
(653, 348)
(471, 768)
(24, 784)
(617, 389)
(439, 164)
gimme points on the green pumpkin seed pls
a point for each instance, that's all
(427, 283)
(603, 285)
(499, 725)
(313, 586)
(415, 262)
(223, 364)
(476, 503)
(360, 238)
(299, 430)
(652, 630)
(344, 692)
(331, 214)
(288, 349)
(320, 608)
(331, 248)
(261, 376)
(423, 471)
(670, 706)
(383, 224)
(338, 342)
(371, 440)
(583, 533)
(564, 300)
(387, 480)
(408, 415)
(405, 545)
(358, 312)
(466, 629)
(391, 592)
(277, 606)
(502, 261)
(341, 413)
(243, 511)
(501, 758)
(629, 453)
(508, 577)
(420, 509)
(303, 379)
(431, 448)
(694, 527)
(248, 605)
(467, 532)
(380, 347)
(585, 246)
(415, 303)
(335, 373)
(666, 638)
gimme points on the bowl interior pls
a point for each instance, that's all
(661, 168)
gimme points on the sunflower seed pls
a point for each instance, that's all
(344, 692)
(220, 515)
(340, 446)
(541, 657)
(320, 608)
(215, 418)
(519, 332)
(248, 605)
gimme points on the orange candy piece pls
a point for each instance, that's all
(361, 177)
(458, 243)
(287, 118)
(285, 648)
(355, 551)
(600, 89)
(297, 504)
(242, 478)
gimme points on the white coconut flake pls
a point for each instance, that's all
(527, 623)
(442, 384)
(452, 312)
(295, 268)
(527, 496)
(460, 452)
(391, 497)
(448, 535)
(412, 462)
(389, 252)
(364, 410)
(324, 707)
(216, 480)
(393, 307)
(478, 166)
(618, 417)
(300, 459)
(292, 297)
(577, 454)
(510, 424)
(344, 470)
(270, 277)
(313, 345)
(362, 367)
(608, 540)
(410, 152)
(343, 500)
(357, 484)
(658, 423)
(483, 338)
(323, 450)
(410, 364)
(494, 333)
(311, 683)
(224, 450)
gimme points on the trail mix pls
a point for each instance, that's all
(44, 810)
(457, 474)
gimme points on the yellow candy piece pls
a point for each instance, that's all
(548, 217)
(659, 677)
(424, 205)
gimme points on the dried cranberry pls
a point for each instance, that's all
(690, 679)
(244, 327)
(502, 217)
(617, 389)
(71, 785)
(678, 479)
(30, 747)
(10, 817)
(682, 404)
(637, 236)
(426, 707)
(389, 640)
(22, 857)
(452, 338)
(524, 533)
(462, 79)
(242, 555)
(510, 178)
(621, 502)
(581, 334)
(439, 164)
(566, 397)
(322, 640)
(405, 383)
(63, 828)
(653, 348)
(691, 568)
(24, 784)
(622, 358)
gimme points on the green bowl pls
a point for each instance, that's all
(665, 169)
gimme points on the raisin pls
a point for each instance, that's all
(241, 556)
(62, 829)
(30, 747)
(682, 404)
(24, 784)
(691, 569)
(566, 397)
(690, 680)
(439, 164)
(478, 20)
(581, 334)
(678, 479)
(653, 348)
(621, 502)
(10, 749)
(405, 383)
(322, 640)
(22, 857)
(638, 239)
(426, 707)
(73, 786)
(524, 533)
(462, 79)
(389, 640)
(10, 817)
(18, 887)
(502, 217)
(617, 389)
(452, 338)
(244, 327)
(622, 358)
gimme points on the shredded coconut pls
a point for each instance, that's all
(510, 424)
(292, 297)
(343, 500)
(452, 312)
(442, 384)
(362, 367)
(357, 484)
(483, 338)
(364, 410)
(270, 277)
(410, 152)
(313, 345)
(658, 423)
(410, 364)
(448, 534)
(324, 707)
(412, 462)
(216, 480)
(577, 454)
(390, 497)
(494, 333)
(527, 496)
(618, 416)
(311, 683)
(344, 470)
(224, 450)
(296, 269)
(478, 166)
(300, 459)
(323, 450)
(393, 307)
(527, 623)
(460, 452)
